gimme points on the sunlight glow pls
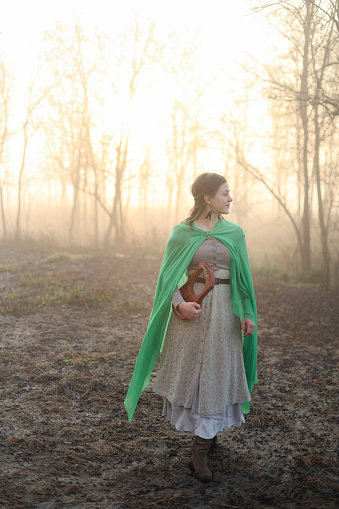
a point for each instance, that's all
(204, 48)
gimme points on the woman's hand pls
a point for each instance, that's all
(190, 309)
(247, 327)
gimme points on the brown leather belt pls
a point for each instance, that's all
(217, 281)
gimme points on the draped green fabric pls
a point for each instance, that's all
(179, 251)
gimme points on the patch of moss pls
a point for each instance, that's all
(58, 257)
(270, 273)
(6, 268)
(311, 277)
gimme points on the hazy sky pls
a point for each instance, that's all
(224, 25)
(227, 36)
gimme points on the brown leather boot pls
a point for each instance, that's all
(198, 463)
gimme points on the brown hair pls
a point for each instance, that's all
(205, 184)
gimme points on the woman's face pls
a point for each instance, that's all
(221, 201)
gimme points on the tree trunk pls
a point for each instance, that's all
(75, 207)
(299, 163)
(306, 255)
(96, 217)
(3, 216)
(23, 160)
(323, 230)
(316, 165)
(117, 205)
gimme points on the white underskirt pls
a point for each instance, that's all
(204, 426)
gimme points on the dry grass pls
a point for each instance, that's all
(65, 369)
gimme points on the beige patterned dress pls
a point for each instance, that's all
(201, 373)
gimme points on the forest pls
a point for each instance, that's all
(101, 147)
(108, 112)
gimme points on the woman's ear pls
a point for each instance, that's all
(207, 199)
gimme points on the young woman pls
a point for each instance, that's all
(208, 363)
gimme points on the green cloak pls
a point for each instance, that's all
(179, 251)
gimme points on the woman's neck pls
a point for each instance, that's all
(204, 223)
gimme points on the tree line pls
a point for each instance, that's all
(90, 152)
(301, 88)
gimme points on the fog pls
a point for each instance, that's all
(102, 134)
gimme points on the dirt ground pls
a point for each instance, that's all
(71, 328)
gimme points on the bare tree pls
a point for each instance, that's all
(86, 154)
(303, 85)
(5, 88)
(144, 178)
(75, 71)
(319, 72)
(29, 127)
(146, 52)
(187, 138)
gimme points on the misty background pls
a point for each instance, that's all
(108, 112)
